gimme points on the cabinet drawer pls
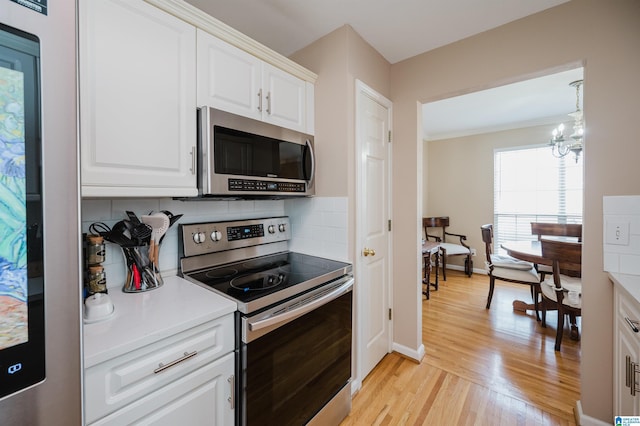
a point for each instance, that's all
(120, 381)
(202, 397)
(627, 308)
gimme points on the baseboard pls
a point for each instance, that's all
(415, 355)
(584, 420)
(461, 268)
(356, 385)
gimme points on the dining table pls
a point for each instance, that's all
(530, 251)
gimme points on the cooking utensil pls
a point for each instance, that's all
(99, 228)
(120, 235)
(140, 232)
(159, 222)
(172, 218)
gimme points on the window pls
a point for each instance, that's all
(531, 185)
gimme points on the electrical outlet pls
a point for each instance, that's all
(473, 252)
(617, 232)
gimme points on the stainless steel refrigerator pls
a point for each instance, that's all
(40, 291)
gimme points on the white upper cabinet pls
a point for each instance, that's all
(233, 80)
(137, 100)
(229, 79)
(283, 98)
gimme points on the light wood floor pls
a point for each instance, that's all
(482, 367)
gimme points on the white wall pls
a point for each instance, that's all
(621, 251)
(318, 225)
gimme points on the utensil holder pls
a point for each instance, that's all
(142, 271)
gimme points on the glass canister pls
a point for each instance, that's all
(142, 271)
(95, 249)
(97, 280)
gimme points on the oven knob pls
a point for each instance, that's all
(271, 229)
(199, 237)
(216, 235)
(281, 227)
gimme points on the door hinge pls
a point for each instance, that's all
(389, 314)
(389, 224)
(389, 136)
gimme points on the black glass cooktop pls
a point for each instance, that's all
(270, 276)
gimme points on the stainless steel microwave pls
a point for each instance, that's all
(244, 158)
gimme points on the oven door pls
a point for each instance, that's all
(296, 357)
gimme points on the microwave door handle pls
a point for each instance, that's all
(311, 175)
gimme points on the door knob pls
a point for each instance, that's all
(368, 252)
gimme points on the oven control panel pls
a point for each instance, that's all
(242, 232)
(211, 237)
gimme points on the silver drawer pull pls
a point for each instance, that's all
(232, 398)
(633, 324)
(162, 367)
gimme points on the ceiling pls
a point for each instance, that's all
(397, 29)
(401, 29)
(543, 100)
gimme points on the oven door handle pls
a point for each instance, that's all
(308, 307)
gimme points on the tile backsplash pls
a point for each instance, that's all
(318, 224)
(621, 234)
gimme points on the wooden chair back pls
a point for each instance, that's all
(435, 222)
(566, 257)
(487, 238)
(556, 230)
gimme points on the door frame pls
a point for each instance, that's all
(359, 343)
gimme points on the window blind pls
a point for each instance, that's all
(531, 185)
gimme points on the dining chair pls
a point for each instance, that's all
(541, 229)
(563, 292)
(448, 249)
(430, 254)
(509, 269)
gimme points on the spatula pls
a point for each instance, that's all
(159, 223)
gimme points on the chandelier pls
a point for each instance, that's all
(561, 146)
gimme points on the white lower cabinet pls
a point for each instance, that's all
(626, 375)
(185, 379)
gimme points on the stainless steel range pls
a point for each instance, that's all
(294, 319)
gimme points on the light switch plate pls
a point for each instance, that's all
(617, 232)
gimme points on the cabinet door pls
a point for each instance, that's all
(137, 100)
(203, 397)
(283, 98)
(627, 343)
(228, 78)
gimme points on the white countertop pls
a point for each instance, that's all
(631, 283)
(143, 318)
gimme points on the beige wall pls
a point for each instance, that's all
(339, 58)
(459, 173)
(604, 36)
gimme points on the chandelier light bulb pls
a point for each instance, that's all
(560, 147)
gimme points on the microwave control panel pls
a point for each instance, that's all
(265, 186)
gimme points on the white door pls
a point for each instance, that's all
(373, 125)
